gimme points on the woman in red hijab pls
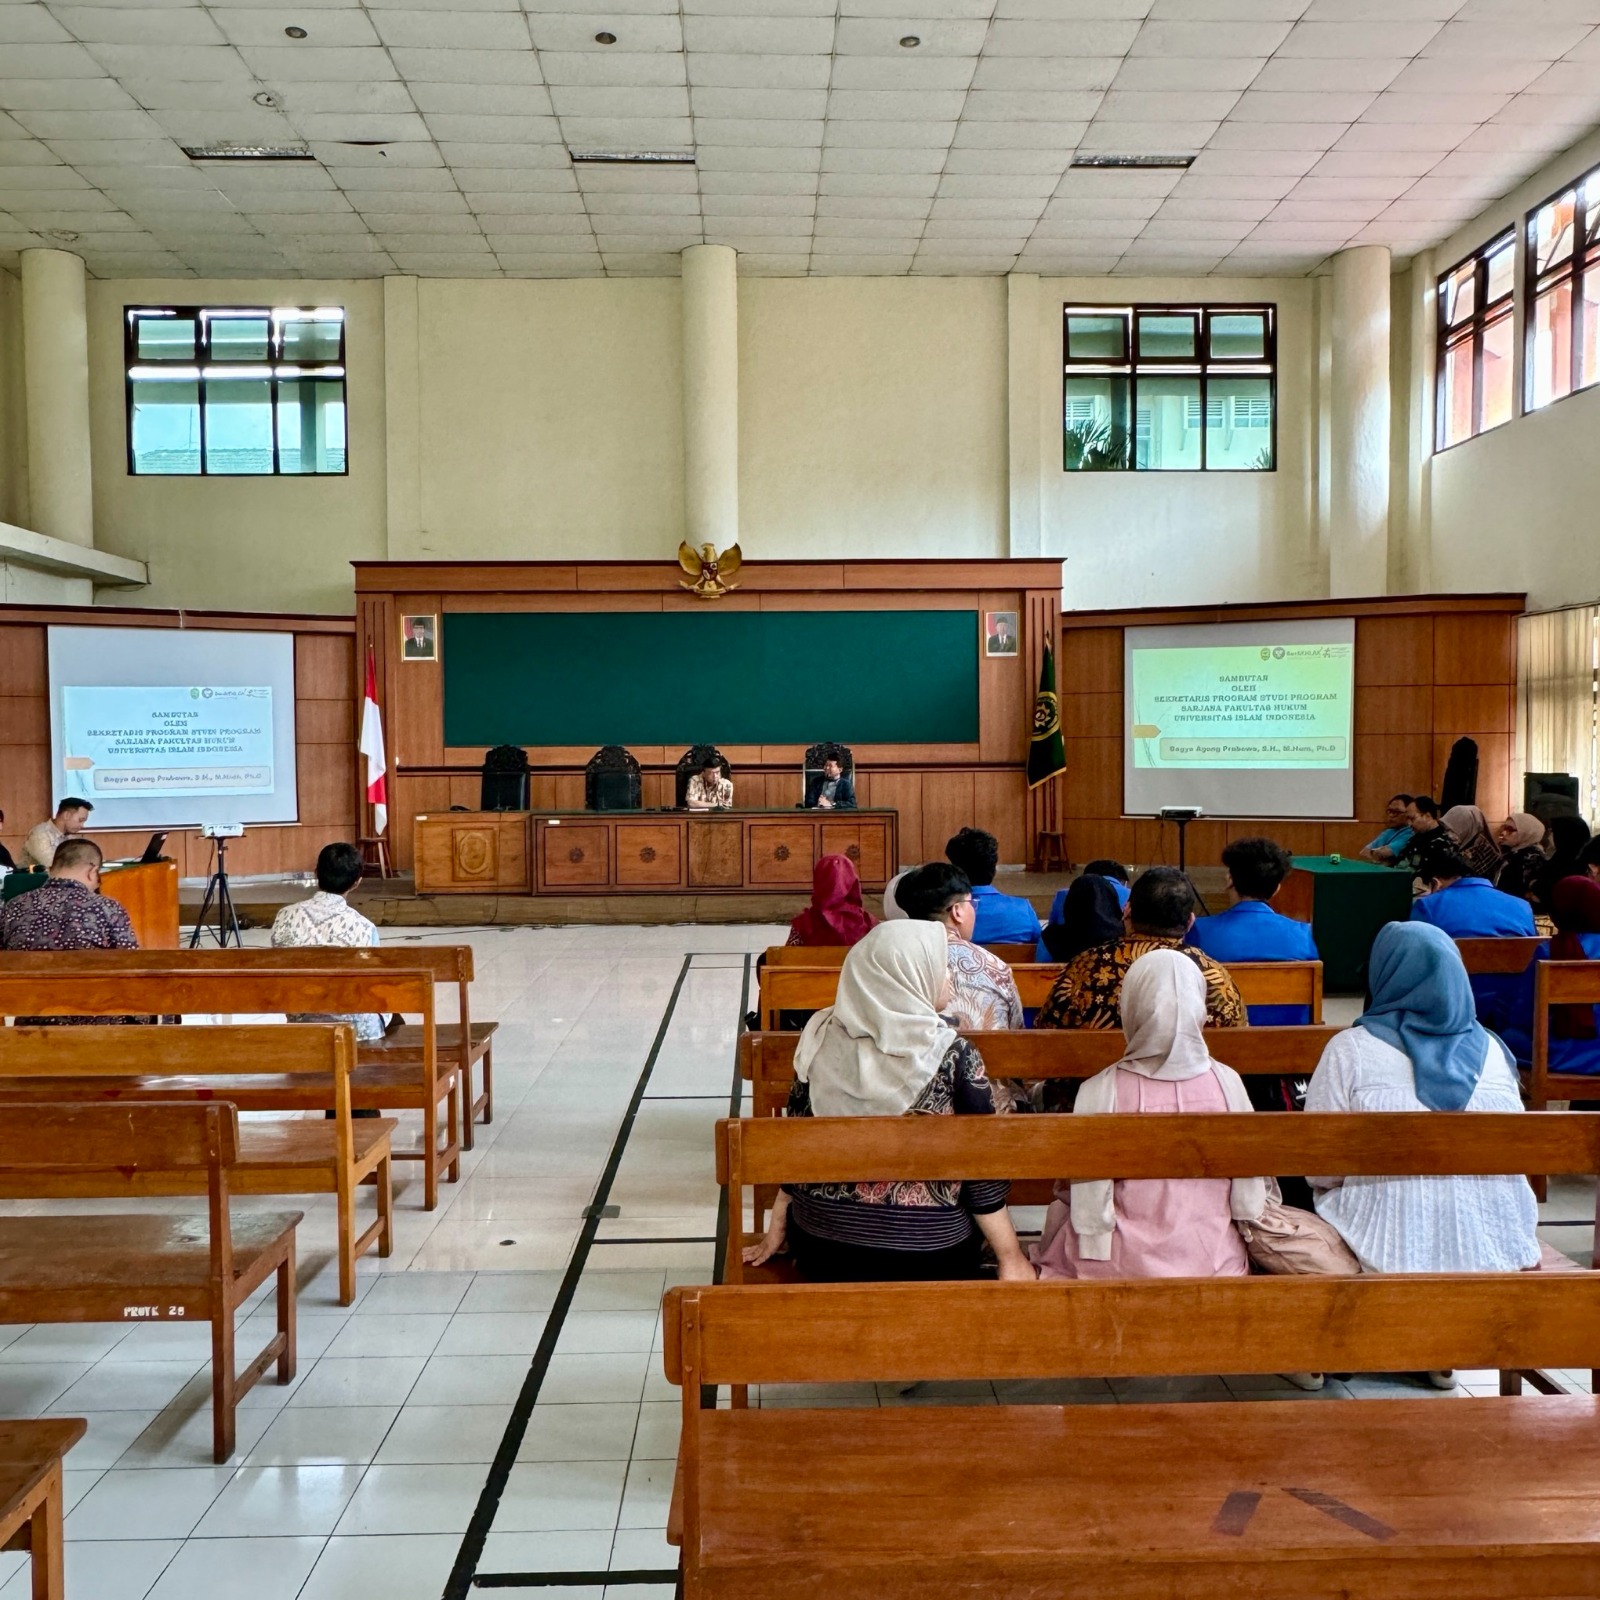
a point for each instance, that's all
(835, 915)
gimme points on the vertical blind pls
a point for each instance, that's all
(1559, 671)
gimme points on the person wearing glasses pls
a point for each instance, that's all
(983, 994)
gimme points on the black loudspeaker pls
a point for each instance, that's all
(504, 791)
(1546, 795)
(614, 791)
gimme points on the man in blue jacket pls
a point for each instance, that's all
(1001, 918)
(1250, 930)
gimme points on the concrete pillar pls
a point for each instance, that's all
(1358, 468)
(711, 394)
(55, 359)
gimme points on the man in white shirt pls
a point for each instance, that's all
(39, 848)
(326, 919)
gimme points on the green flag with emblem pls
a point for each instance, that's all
(1046, 754)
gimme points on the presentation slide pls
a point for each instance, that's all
(173, 727)
(1241, 719)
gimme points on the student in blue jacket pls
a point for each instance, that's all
(1469, 907)
(1574, 1030)
(1001, 918)
(1250, 930)
(1116, 876)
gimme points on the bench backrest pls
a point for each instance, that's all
(29, 1055)
(766, 1060)
(1557, 983)
(448, 963)
(828, 955)
(1260, 983)
(67, 990)
(1485, 957)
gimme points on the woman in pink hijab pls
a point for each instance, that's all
(835, 915)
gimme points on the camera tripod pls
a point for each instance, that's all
(219, 895)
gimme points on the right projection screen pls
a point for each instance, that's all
(1243, 719)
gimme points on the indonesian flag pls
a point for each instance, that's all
(370, 745)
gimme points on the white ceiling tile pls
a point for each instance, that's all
(1465, 40)
(758, 183)
(1330, 211)
(206, 127)
(1544, 109)
(1046, 165)
(758, 205)
(251, 25)
(115, 152)
(1122, 105)
(1178, 74)
(615, 69)
(881, 36)
(1208, 208)
(637, 180)
(452, 30)
(568, 31)
(1126, 208)
(619, 203)
(887, 135)
(770, 8)
(158, 95)
(1443, 211)
(65, 94)
(1056, 139)
(416, 154)
(1235, 39)
(854, 266)
(526, 224)
(388, 127)
(1030, 105)
(90, 124)
(1349, 40)
(522, 203)
(1539, 138)
(794, 36)
(834, 186)
(1452, 75)
(874, 208)
(1005, 212)
(1122, 229)
(1197, 185)
(1563, 77)
(1228, 10)
(569, 101)
(763, 264)
(994, 186)
(787, 229)
(467, 66)
(503, 180)
(386, 202)
(1278, 135)
(641, 133)
(906, 71)
(1324, 74)
(912, 105)
(1112, 184)
(1589, 50)
(803, 104)
(1438, 137)
(711, 155)
(309, 63)
(778, 131)
(1061, 38)
(837, 158)
(1302, 106)
(661, 241)
(1150, 138)
(1067, 264)
(1375, 163)
(1056, 10)
(1381, 11)
(398, 223)
(866, 244)
(1380, 190)
(481, 99)
(30, 24)
(1439, 108)
(929, 10)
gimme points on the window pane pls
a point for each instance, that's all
(307, 341)
(311, 426)
(1589, 334)
(1502, 271)
(239, 425)
(1239, 424)
(164, 338)
(1097, 338)
(1457, 398)
(1239, 336)
(165, 426)
(1166, 336)
(1096, 438)
(1460, 295)
(1552, 231)
(1167, 425)
(1550, 358)
(1497, 340)
(238, 338)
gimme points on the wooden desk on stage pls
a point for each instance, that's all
(147, 892)
(1346, 902)
(647, 852)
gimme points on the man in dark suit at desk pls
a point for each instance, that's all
(830, 789)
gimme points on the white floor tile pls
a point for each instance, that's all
(660, 1422)
(447, 1435)
(580, 1433)
(130, 1386)
(574, 1378)
(493, 1333)
(413, 1499)
(643, 1550)
(543, 1496)
(399, 1334)
(26, 1390)
(239, 1569)
(108, 1569)
(359, 1381)
(572, 1550)
(470, 1381)
(511, 1291)
(147, 1505)
(110, 1433)
(400, 1567)
(322, 1436)
(606, 1332)
(269, 1502)
(182, 1436)
(62, 1342)
(400, 1292)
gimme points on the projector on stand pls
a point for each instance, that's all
(1180, 813)
(222, 830)
(1183, 816)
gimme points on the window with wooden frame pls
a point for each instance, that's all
(1562, 350)
(235, 391)
(1154, 388)
(1476, 302)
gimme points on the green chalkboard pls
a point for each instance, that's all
(732, 677)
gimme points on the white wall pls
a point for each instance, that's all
(1516, 508)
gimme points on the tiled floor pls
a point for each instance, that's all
(366, 1479)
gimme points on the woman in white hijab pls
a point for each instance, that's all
(883, 1050)
(1155, 1227)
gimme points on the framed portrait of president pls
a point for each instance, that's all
(1000, 633)
(419, 638)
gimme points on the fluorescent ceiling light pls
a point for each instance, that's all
(225, 151)
(634, 158)
(1169, 163)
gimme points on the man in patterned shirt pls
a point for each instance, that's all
(708, 790)
(1160, 913)
(328, 919)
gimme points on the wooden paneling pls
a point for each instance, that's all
(486, 851)
(1090, 662)
(1474, 709)
(1391, 709)
(325, 668)
(24, 719)
(901, 792)
(947, 808)
(572, 855)
(999, 798)
(780, 855)
(419, 711)
(1475, 649)
(716, 855)
(1092, 716)
(1390, 763)
(325, 722)
(649, 854)
(1395, 651)
(1093, 779)
(23, 668)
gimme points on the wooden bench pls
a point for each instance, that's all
(162, 1064)
(1497, 957)
(159, 1268)
(1560, 983)
(829, 955)
(1364, 1500)
(380, 1086)
(464, 1041)
(797, 988)
(31, 1497)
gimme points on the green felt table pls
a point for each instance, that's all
(1346, 902)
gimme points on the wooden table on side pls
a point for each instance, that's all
(147, 892)
(647, 852)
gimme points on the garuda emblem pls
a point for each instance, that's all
(709, 574)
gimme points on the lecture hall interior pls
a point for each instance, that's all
(661, 664)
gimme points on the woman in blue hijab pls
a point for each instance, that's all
(1419, 1047)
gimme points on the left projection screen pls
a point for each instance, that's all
(164, 727)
